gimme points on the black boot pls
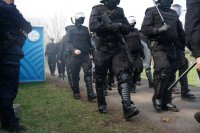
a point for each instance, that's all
(157, 104)
(15, 128)
(77, 96)
(90, 93)
(75, 88)
(9, 121)
(101, 100)
(197, 116)
(129, 108)
(100, 95)
(158, 93)
(185, 91)
(170, 107)
(149, 77)
(187, 96)
(167, 102)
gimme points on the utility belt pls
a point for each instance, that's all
(109, 43)
(154, 43)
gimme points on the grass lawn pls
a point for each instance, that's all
(50, 108)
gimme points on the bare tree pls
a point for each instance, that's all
(55, 27)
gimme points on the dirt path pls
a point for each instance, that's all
(169, 122)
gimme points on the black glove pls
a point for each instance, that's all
(114, 26)
(163, 28)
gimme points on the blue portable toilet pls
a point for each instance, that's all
(32, 66)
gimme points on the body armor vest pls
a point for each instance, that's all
(171, 18)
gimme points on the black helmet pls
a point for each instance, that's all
(111, 4)
(165, 4)
(107, 1)
(158, 1)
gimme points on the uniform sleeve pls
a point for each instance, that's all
(125, 27)
(95, 25)
(181, 33)
(61, 51)
(89, 43)
(69, 40)
(18, 19)
(47, 49)
(147, 25)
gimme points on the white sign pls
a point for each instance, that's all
(34, 36)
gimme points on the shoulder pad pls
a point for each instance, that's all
(174, 12)
(97, 6)
(69, 27)
(151, 8)
(85, 27)
(119, 9)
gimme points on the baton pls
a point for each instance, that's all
(156, 5)
(186, 71)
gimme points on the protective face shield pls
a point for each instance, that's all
(111, 4)
(165, 4)
(177, 8)
(79, 18)
(131, 20)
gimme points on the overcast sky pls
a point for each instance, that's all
(45, 9)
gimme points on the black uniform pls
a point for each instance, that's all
(79, 38)
(192, 29)
(65, 56)
(134, 43)
(111, 78)
(163, 51)
(59, 61)
(51, 56)
(13, 28)
(109, 51)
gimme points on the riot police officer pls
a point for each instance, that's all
(109, 50)
(163, 37)
(182, 63)
(13, 28)
(81, 49)
(192, 29)
(134, 43)
(65, 55)
(51, 56)
(59, 61)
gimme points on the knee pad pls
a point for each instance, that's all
(99, 80)
(88, 73)
(164, 74)
(123, 77)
